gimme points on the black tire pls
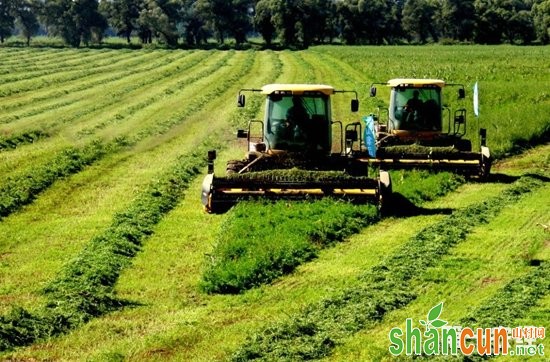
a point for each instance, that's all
(485, 168)
(463, 145)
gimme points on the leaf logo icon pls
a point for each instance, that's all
(433, 320)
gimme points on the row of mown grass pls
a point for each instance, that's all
(13, 58)
(105, 110)
(22, 190)
(124, 226)
(93, 96)
(219, 113)
(477, 269)
(17, 192)
(46, 81)
(315, 332)
(142, 94)
(123, 152)
(85, 287)
(64, 64)
(65, 93)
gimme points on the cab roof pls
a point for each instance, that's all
(415, 83)
(298, 88)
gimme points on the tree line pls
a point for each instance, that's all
(290, 23)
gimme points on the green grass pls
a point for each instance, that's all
(471, 275)
(261, 241)
(315, 332)
(168, 102)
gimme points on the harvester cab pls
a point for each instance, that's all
(291, 153)
(297, 119)
(420, 131)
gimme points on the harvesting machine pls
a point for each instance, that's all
(420, 132)
(293, 153)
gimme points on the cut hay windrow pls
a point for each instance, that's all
(23, 138)
(513, 300)
(314, 333)
(85, 288)
(32, 85)
(157, 94)
(22, 190)
(414, 150)
(154, 74)
(119, 71)
(79, 62)
(17, 192)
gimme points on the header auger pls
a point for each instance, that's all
(291, 153)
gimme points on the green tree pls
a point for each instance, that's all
(6, 19)
(286, 15)
(499, 20)
(541, 20)
(159, 18)
(418, 20)
(193, 26)
(227, 18)
(122, 15)
(26, 20)
(75, 21)
(520, 28)
(263, 20)
(457, 19)
(365, 21)
(317, 21)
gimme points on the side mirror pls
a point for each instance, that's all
(354, 105)
(241, 133)
(241, 100)
(373, 91)
(461, 93)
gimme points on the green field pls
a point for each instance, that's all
(104, 244)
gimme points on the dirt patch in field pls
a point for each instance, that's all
(488, 281)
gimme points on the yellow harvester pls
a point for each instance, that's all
(293, 153)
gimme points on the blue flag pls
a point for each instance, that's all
(370, 135)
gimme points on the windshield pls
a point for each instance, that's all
(416, 109)
(298, 123)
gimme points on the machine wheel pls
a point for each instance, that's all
(485, 168)
(485, 165)
(384, 191)
(234, 166)
(464, 145)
